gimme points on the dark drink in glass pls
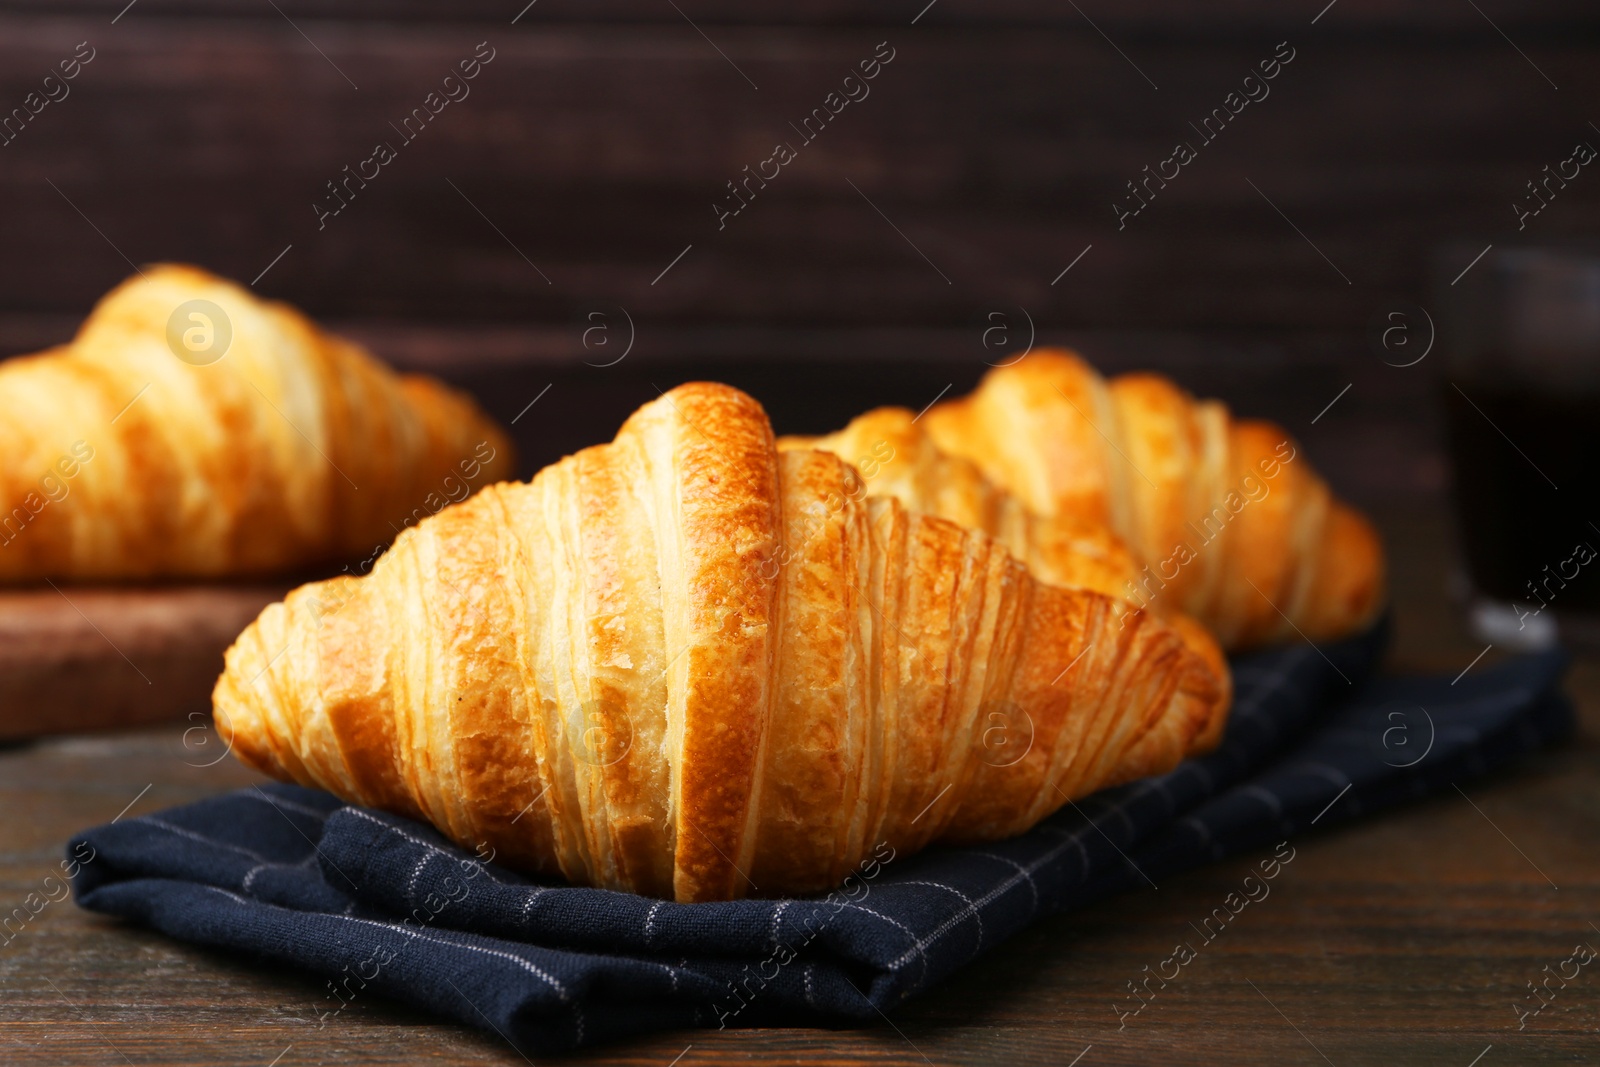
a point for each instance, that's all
(1521, 394)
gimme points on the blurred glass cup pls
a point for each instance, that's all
(1520, 331)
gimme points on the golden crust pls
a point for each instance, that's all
(897, 458)
(1231, 525)
(293, 448)
(688, 665)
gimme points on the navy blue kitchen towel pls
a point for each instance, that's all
(377, 904)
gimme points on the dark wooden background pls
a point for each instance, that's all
(996, 141)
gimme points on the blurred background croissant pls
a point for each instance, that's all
(191, 430)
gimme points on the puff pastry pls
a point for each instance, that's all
(1229, 521)
(264, 446)
(688, 665)
(897, 457)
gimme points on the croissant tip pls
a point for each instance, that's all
(1359, 565)
(716, 392)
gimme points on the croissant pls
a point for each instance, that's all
(897, 457)
(1230, 524)
(192, 430)
(685, 665)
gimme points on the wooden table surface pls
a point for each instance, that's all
(1409, 938)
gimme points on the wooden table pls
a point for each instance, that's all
(1405, 939)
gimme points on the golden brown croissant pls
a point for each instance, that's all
(897, 457)
(265, 446)
(686, 665)
(1231, 524)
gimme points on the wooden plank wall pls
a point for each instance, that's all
(987, 157)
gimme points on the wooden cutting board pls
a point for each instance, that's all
(76, 658)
